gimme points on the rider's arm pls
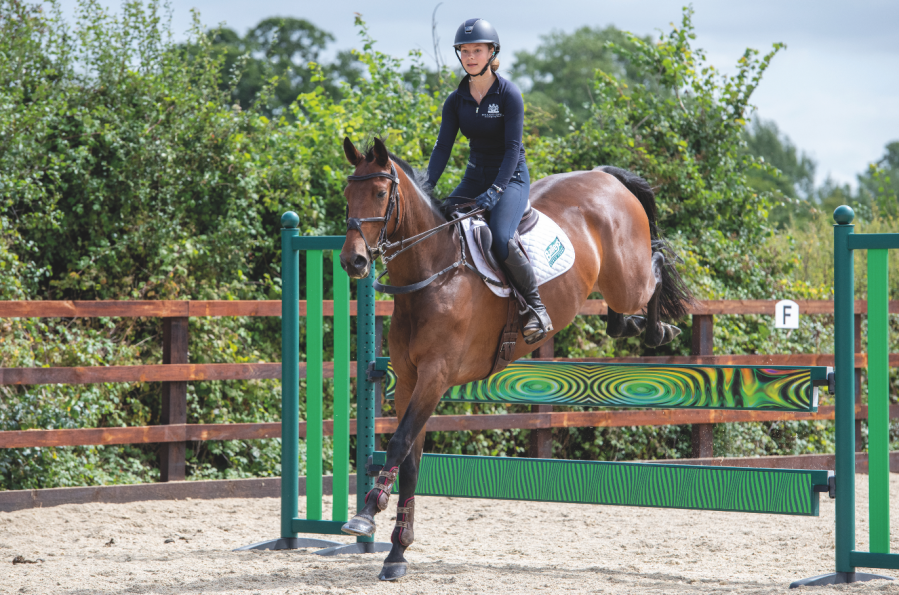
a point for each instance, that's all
(514, 120)
(449, 126)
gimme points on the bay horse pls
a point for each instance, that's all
(446, 333)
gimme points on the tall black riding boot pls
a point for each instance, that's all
(521, 274)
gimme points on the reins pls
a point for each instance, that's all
(384, 244)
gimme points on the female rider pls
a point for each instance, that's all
(490, 112)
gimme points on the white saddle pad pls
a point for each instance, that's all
(548, 247)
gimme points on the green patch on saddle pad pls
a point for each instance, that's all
(555, 250)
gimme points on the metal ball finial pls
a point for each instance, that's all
(843, 215)
(290, 220)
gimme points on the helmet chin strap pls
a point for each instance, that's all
(483, 70)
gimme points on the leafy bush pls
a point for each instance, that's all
(127, 175)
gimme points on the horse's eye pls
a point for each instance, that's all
(382, 194)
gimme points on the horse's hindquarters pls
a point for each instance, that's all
(610, 232)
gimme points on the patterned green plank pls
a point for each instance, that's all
(773, 388)
(735, 489)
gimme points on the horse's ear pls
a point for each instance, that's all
(381, 155)
(352, 154)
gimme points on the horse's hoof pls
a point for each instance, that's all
(392, 571)
(673, 330)
(634, 325)
(360, 526)
(631, 326)
(666, 333)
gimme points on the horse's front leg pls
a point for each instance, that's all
(403, 532)
(429, 387)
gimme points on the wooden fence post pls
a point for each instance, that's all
(703, 344)
(541, 446)
(174, 398)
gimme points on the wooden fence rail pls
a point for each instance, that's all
(437, 423)
(173, 433)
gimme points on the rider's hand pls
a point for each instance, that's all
(489, 199)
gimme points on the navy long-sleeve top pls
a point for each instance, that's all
(494, 129)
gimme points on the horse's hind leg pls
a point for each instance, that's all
(658, 332)
(619, 326)
(395, 564)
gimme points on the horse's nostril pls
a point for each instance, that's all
(360, 262)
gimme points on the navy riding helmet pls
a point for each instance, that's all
(476, 31)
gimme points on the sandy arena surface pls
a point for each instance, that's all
(463, 546)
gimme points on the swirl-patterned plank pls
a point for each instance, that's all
(588, 384)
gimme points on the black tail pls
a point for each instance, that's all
(675, 296)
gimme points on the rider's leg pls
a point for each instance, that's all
(506, 215)
(504, 220)
(472, 185)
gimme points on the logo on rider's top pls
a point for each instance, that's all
(492, 111)
(554, 251)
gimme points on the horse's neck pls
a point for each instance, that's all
(431, 255)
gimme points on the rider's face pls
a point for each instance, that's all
(475, 56)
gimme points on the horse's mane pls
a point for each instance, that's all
(419, 178)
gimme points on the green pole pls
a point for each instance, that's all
(878, 402)
(341, 465)
(290, 374)
(365, 390)
(844, 311)
(314, 380)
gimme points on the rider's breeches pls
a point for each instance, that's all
(506, 215)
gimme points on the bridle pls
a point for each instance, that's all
(392, 204)
(384, 244)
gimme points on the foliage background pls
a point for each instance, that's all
(133, 167)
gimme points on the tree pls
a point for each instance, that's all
(781, 170)
(558, 76)
(284, 48)
(795, 175)
(880, 183)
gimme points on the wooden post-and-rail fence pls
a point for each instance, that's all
(176, 371)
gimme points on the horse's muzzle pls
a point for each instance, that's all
(356, 265)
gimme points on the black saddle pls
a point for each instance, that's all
(484, 237)
(482, 234)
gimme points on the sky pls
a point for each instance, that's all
(831, 91)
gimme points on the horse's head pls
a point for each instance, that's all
(372, 196)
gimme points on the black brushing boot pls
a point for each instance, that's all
(521, 274)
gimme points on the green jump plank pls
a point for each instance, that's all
(314, 383)
(318, 242)
(734, 489)
(870, 560)
(586, 384)
(873, 241)
(317, 526)
(878, 402)
(341, 460)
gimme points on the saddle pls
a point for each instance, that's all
(483, 240)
